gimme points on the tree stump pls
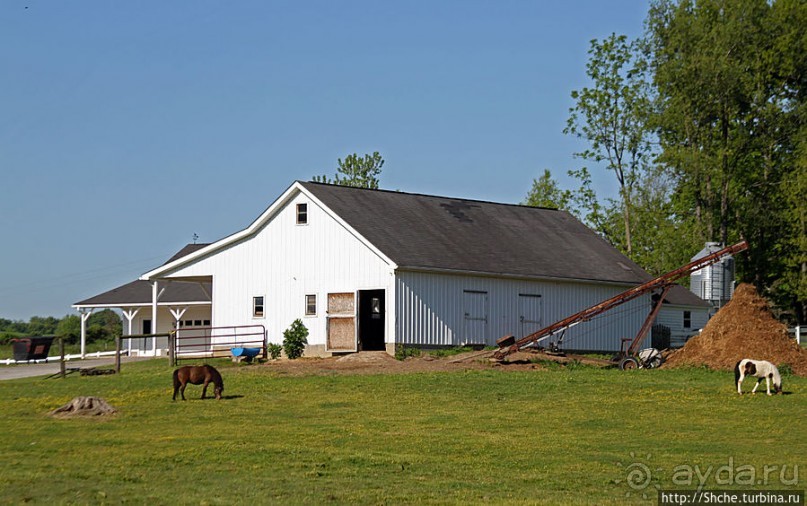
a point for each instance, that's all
(84, 406)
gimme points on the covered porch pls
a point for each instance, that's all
(151, 308)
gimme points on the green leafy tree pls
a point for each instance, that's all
(69, 329)
(42, 326)
(546, 192)
(356, 171)
(730, 78)
(104, 325)
(612, 117)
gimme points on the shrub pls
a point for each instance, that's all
(274, 350)
(295, 339)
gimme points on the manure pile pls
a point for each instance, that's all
(743, 328)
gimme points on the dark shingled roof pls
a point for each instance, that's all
(187, 250)
(440, 233)
(139, 293)
(681, 296)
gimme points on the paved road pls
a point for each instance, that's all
(32, 370)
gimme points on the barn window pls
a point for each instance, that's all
(302, 214)
(257, 307)
(687, 319)
(375, 308)
(310, 305)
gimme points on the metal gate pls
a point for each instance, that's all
(209, 342)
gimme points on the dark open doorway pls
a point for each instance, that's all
(371, 320)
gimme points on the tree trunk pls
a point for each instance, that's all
(84, 406)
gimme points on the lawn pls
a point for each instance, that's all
(560, 435)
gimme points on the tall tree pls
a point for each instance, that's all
(611, 116)
(704, 54)
(730, 78)
(356, 171)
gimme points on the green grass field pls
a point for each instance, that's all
(560, 436)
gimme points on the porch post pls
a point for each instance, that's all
(130, 314)
(85, 315)
(155, 294)
(177, 313)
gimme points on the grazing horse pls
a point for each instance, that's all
(197, 375)
(761, 369)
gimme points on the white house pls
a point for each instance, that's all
(369, 269)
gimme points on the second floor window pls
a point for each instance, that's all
(302, 214)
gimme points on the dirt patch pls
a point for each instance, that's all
(372, 362)
(744, 328)
(84, 406)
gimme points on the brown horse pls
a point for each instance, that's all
(197, 375)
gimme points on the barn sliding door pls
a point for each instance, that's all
(530, 313)
(475, 320)
(341, 322)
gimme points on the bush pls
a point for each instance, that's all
(274, 350)
(295, 339)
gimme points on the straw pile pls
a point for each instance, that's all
(744, 328)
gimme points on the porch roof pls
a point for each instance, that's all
(138, 293)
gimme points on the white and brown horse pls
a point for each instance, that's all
(761, 369)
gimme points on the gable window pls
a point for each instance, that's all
(302, 214)
(310, 305)
(687, 319)
(257, 307)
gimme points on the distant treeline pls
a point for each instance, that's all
(101, 326)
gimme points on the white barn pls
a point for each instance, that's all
(370, 269)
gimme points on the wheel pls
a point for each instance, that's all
(628, 364)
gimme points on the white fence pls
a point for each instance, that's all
(56, 358)
(797, 332)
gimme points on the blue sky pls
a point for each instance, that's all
(127, 127)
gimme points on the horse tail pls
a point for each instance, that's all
(176, 378)
(777, 380)
(219, 379)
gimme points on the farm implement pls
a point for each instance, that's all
(630, 357)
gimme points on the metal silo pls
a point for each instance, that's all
(713, 283)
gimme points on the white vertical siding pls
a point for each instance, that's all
(431, 313)
(673, 317)
(284, 262)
